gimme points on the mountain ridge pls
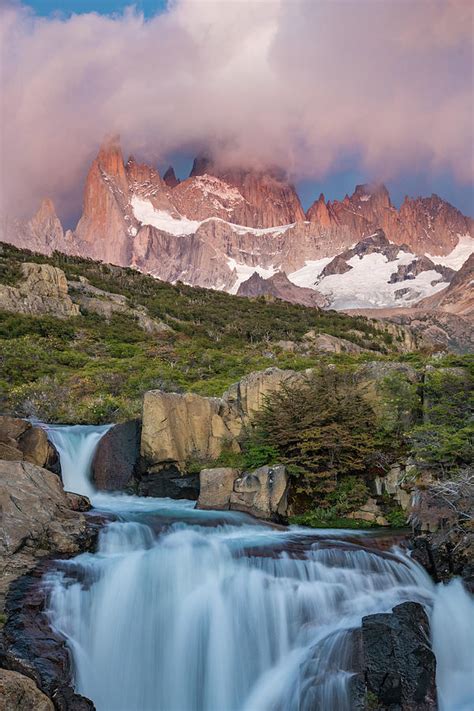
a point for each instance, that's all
(220, 225)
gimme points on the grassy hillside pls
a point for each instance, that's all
(88, 369)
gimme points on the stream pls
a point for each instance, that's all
(188, 610)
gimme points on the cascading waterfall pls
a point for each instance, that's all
(76, 445)
(186, 610)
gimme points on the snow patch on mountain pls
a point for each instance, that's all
(210, 185)
(162, 220)
(308, 275)
(367, 285)
(147, 214)
(456, 258)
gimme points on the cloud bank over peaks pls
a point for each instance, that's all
(294, 83)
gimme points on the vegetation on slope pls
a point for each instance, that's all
(89, 369)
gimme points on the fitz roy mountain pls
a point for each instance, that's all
(245, 232)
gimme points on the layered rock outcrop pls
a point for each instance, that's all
(42, 290)
(280, 287)
(105, 303)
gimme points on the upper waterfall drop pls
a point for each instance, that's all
(76, 445)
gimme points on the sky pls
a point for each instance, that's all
(337, 92)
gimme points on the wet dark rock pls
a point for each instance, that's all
(399, 665)
(169, 483)
(116, 456)
(30, 647)
(444, 556)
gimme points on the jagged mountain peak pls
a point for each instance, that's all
(169, 177)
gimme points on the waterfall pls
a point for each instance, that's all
(188, 610)
(76, 445)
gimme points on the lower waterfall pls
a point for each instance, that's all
(187, 610)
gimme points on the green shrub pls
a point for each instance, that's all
(327, 518)
(396, 517)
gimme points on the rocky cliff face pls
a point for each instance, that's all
(178, 428)
(105, 228)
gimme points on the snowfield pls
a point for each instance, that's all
(367, 285)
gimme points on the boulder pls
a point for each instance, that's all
(20, 440)
(216, 487)
(324, 343)
(36, 519)
(262, 493)
(116, 456)
(177, 428)
(12, 427)
(19, 693)
(399, 666)
(43, 290)
(105, 303)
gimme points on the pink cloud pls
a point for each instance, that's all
(291, 82)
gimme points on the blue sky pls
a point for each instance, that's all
(46, 7)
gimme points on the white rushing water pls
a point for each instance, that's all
(76, 445)
(186, 610)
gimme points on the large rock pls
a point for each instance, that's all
(399, 666)
(216, 487)
(19, 693)
(178, 428)
(43, 290)
(262, 493)
(116, 456)
(36, 519)
(21, 441)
